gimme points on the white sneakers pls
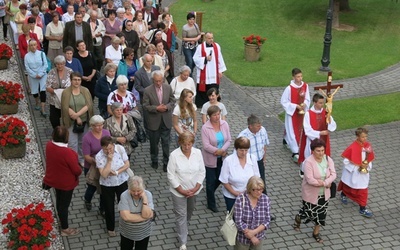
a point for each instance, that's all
(183, 247)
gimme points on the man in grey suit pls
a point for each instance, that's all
(143, 75)
(158, 104)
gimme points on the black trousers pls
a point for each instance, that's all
(127, 244)
(63, 199)
(108, 194)
(201, 97)
(212, 183)
(55, 115)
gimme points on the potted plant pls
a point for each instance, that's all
(5, 54)
(29, 227)
(10, 95)
(252, 47)
(13, 138)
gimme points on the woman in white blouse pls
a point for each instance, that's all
(112, 162)
(186, 173)
(183, 81)
(236, 171)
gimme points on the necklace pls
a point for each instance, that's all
(136, 204)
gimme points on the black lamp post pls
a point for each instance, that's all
(327, 39)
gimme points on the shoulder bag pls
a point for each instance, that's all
(229, 229)
(7, 17)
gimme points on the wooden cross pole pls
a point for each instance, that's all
(329, 85)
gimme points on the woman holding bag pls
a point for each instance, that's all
(76, 108)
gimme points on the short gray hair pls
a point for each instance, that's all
(136, 182)
(184, 68)
(96, 119)
(109, 66)
(157, 73)
(115, 39)
(121, 79)
(59, 59)
(116, 105)
(252, 119)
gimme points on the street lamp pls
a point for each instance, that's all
(327, 39)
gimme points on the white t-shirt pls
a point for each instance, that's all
(184, 124)
(207, 105)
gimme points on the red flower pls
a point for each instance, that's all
(10, 92)
(5, 51)
(13, 131)
(254, 39)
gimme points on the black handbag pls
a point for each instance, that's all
(78, 129)
(140, 132)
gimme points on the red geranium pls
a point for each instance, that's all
(10, 92)
(254, 39)
(22, 234)
(5, 51)
(13, 131)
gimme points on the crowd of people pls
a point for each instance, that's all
(65, 46)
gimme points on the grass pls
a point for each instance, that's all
(295, 31)
(357, 112)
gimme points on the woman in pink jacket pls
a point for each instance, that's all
(319, 173)
(216, 138)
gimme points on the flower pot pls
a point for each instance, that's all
(252, 52)
(7, 109)
(3, 63)
(14, 151)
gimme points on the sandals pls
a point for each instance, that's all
(69, 232)
(317, 237)
(297, 222)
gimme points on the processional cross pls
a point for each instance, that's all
(328, 95)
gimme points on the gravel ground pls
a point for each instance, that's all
(21, 179)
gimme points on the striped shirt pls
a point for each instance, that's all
(138, 230)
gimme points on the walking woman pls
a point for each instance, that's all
(184, 114)
(190, 37)
(319, 173)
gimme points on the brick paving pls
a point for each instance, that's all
(345, 229)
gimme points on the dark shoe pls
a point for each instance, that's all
(214, 209)
(154, 165)
(164, 168)
(366, 213)
(102, 213)
(301, 174)
(343, 198)
(272, 218)
(88, 205)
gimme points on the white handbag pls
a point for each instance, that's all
(229, 229)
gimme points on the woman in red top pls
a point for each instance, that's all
(62, 173)
(24, 38)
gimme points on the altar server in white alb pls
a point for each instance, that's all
(210, 65)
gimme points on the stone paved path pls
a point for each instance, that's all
(345, 228)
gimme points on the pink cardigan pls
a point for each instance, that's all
(309, 187)
(210, 142)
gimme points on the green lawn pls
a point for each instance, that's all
(372, 110)
(295, 37)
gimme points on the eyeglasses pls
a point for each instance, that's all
(258, 189)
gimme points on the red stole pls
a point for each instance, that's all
(354, 152)
(297, 96)
(318, 122)
(202, 86)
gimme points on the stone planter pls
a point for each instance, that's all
(3, 64)
(252, 52)
(15, 151)
(8, 109)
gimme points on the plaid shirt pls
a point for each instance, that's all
(257, 141)
(248, 218)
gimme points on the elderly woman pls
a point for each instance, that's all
(319, 173)
(185, 175)
(252, 215)
(113, 52)
(184, 114)
(216, 138)
(54, 34)
(57, 80)
(121, 127)
(141, 28)
(157, 60)
(190, 37)
(72, 62)
(183, 81)
(136, 209)
(76, 109)
(62, 173)
(90, 147)
(128, 66)
(105, 85)
(236, 170)
(122, 95)
(166, 58)
(36, 66)
(88, 63)
(113, 27)
(112, 163)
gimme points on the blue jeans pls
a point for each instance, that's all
(189, 53)
(261, 168)
(212, 183)
(229, 203)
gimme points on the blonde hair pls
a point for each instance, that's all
(185, 106)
